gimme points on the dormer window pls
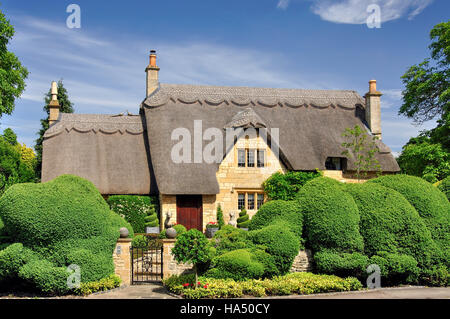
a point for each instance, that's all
(335, 163)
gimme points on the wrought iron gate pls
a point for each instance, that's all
(147, 261)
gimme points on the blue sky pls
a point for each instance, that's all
(316, 44)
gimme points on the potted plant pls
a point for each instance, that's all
(211, 229)
(152, 222)
(244, 220)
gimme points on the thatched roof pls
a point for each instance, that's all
(129, 154)
(109, 150)
(310, 123)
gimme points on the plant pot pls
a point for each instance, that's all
(152, 230)
(211, 231)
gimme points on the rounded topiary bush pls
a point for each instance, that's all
(389, 223)
(62, 221)
(340, 264)
(431, 204)
(240, 264)
(330, 216)
(277, 210)
(243, 220)
(396, 269)
(282, 244)
(230, 238)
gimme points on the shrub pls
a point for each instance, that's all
(238, 264)
(435, 276)
(277, 210)
(396, 269)
(279, 242)
(230, 238)
(152, 219)
(12, 258)
(294, 283)
(430, 203)
(87, 288)
(180, 229)
(389, 223)
(243, 221)
(45, 276)
(192, 246)
(220, 220)
(285, 186)
(134, 209)
(330, 216)
(444, 186)
(341, 264)
(63, 221)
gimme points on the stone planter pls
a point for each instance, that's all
(211, 231)
(171, 233)
(152, 230)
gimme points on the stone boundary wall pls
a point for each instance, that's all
(122, 260)
(170, 265)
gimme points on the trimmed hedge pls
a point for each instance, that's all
(396, 269)
(389, 223)
(444, 186)
(12, 258)
(431, 204)
(330, 216)
(277, 210)
(238, 264)
(229, 238)
(134, 209)
(63, 221)
(341, 264)
(282, 244)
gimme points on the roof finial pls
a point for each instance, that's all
(54, 104)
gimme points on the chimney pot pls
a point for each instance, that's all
(372, 86)
(373, 109)
(54, 104)
(152, 71)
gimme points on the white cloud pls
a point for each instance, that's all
(283, 4)
(355, 11)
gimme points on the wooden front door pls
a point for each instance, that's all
(190, 211)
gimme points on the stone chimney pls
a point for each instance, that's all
(152, 71)
(373, 111)
(54, 104)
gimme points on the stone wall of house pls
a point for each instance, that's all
(233, 179)
(303, 261)
(170, 265)
(122, 260)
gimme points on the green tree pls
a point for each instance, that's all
(12, 73)
(9, 136)
(192, 246)
(220, 220)
(363, 148)
(13, 168)
(66, 106)
(425, 159)
(427, 96)
(285, 186)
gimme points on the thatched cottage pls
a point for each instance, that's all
(159, 152)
